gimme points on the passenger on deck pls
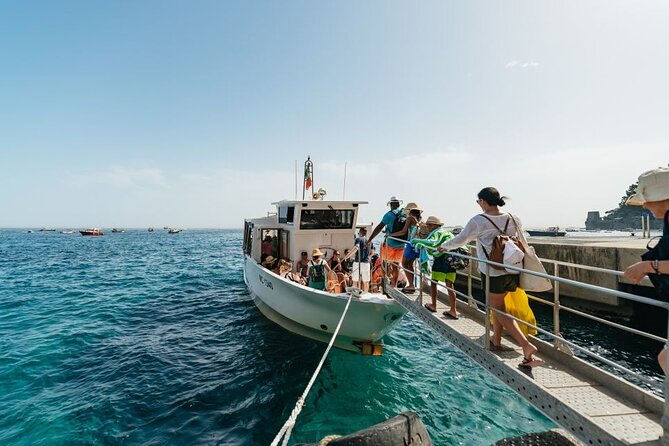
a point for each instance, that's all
(410, 254)
(317, 270)
(441, 269)
(347, 262)
(360, 272)
(484, 228)
(336, 263)
(302, 265)
(266, 248)
(269, 262)
(391, 250)
(653, 194)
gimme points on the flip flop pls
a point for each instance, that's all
(429, 308)
(529, 363)
(408, 291)
(450, 316)
(499, 348)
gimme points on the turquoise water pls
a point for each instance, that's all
(150, 338)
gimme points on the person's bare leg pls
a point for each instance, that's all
(395, 274)
(662, 360)
(408, 270)
(452, 300)
(433, 295)
(497, 301)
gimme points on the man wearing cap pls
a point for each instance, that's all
(653, 194)
(410, 230)
(391, 250)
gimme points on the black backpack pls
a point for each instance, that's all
(660, 252)
(398, 225)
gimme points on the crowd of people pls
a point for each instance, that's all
(410, 239)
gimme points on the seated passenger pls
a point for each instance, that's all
(269, 262)
(302, 265)
(317, 270)
(266, 248)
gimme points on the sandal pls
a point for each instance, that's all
(430, 309)
(408, 290)
(531, 362)
(450, 316)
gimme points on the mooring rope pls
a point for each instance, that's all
(287, 427)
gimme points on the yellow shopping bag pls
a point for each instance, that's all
(517, 305)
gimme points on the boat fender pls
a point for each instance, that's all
(405, 429)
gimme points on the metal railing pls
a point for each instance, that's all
(559, 342)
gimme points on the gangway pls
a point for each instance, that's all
(595, 406)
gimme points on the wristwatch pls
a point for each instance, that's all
(655, 264)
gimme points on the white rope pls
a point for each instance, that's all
(287, 427)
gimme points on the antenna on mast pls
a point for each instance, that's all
(344, 193)
(295, 180)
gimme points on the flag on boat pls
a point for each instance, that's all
(307, 176)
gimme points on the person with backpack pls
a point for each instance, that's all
(391, 250)
(653, 193)
(485, 229)
(317, 270)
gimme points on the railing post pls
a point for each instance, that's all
(420, 285)
(556, 307)
(665, 412)
(487, 308)
(470, 296)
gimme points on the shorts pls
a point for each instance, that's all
(410, 253)
(438, 276)
(363, 269)
(502, 284)
(390, 254)
(317, 285)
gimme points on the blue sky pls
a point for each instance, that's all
(153, 113)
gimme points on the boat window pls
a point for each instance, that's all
(248, 237)
(286, 214)
(326, 219)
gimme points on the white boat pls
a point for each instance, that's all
(303, 226)
(174, 230)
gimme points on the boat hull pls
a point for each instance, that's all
(546, 233)
(315, 314)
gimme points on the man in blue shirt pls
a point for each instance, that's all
(361, 271)
(391, 250)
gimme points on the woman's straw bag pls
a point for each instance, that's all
(531, 262)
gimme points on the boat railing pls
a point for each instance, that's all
(558, 341)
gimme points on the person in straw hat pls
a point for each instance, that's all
(653, 193)
(484, 228)
(441, 269)
(317, 270)
(269, 262)
(391, 250)
(410, 254)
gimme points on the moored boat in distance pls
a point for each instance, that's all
(118, 230)
(92, 231)
(47, 230)
(67, 231)
(552, 231)
(174, 230)
(305, 225)
(150, 229)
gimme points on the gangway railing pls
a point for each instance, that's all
(558, 341)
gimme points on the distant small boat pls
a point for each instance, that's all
(47, 230)
(118, 230)
(29, 231)
(174, 230)
(92, 231)
(150, 229)
(67, 231)
(552, 231)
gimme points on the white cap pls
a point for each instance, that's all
(653, 186)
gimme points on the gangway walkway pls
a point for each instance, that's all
(592, 404)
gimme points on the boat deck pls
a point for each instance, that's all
(593, 405)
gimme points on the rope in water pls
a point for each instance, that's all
(287, 427)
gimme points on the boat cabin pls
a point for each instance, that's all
(305, 225)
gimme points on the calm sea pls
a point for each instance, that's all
(151, 338)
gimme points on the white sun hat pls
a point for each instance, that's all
(393, 199)
(653, 186)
